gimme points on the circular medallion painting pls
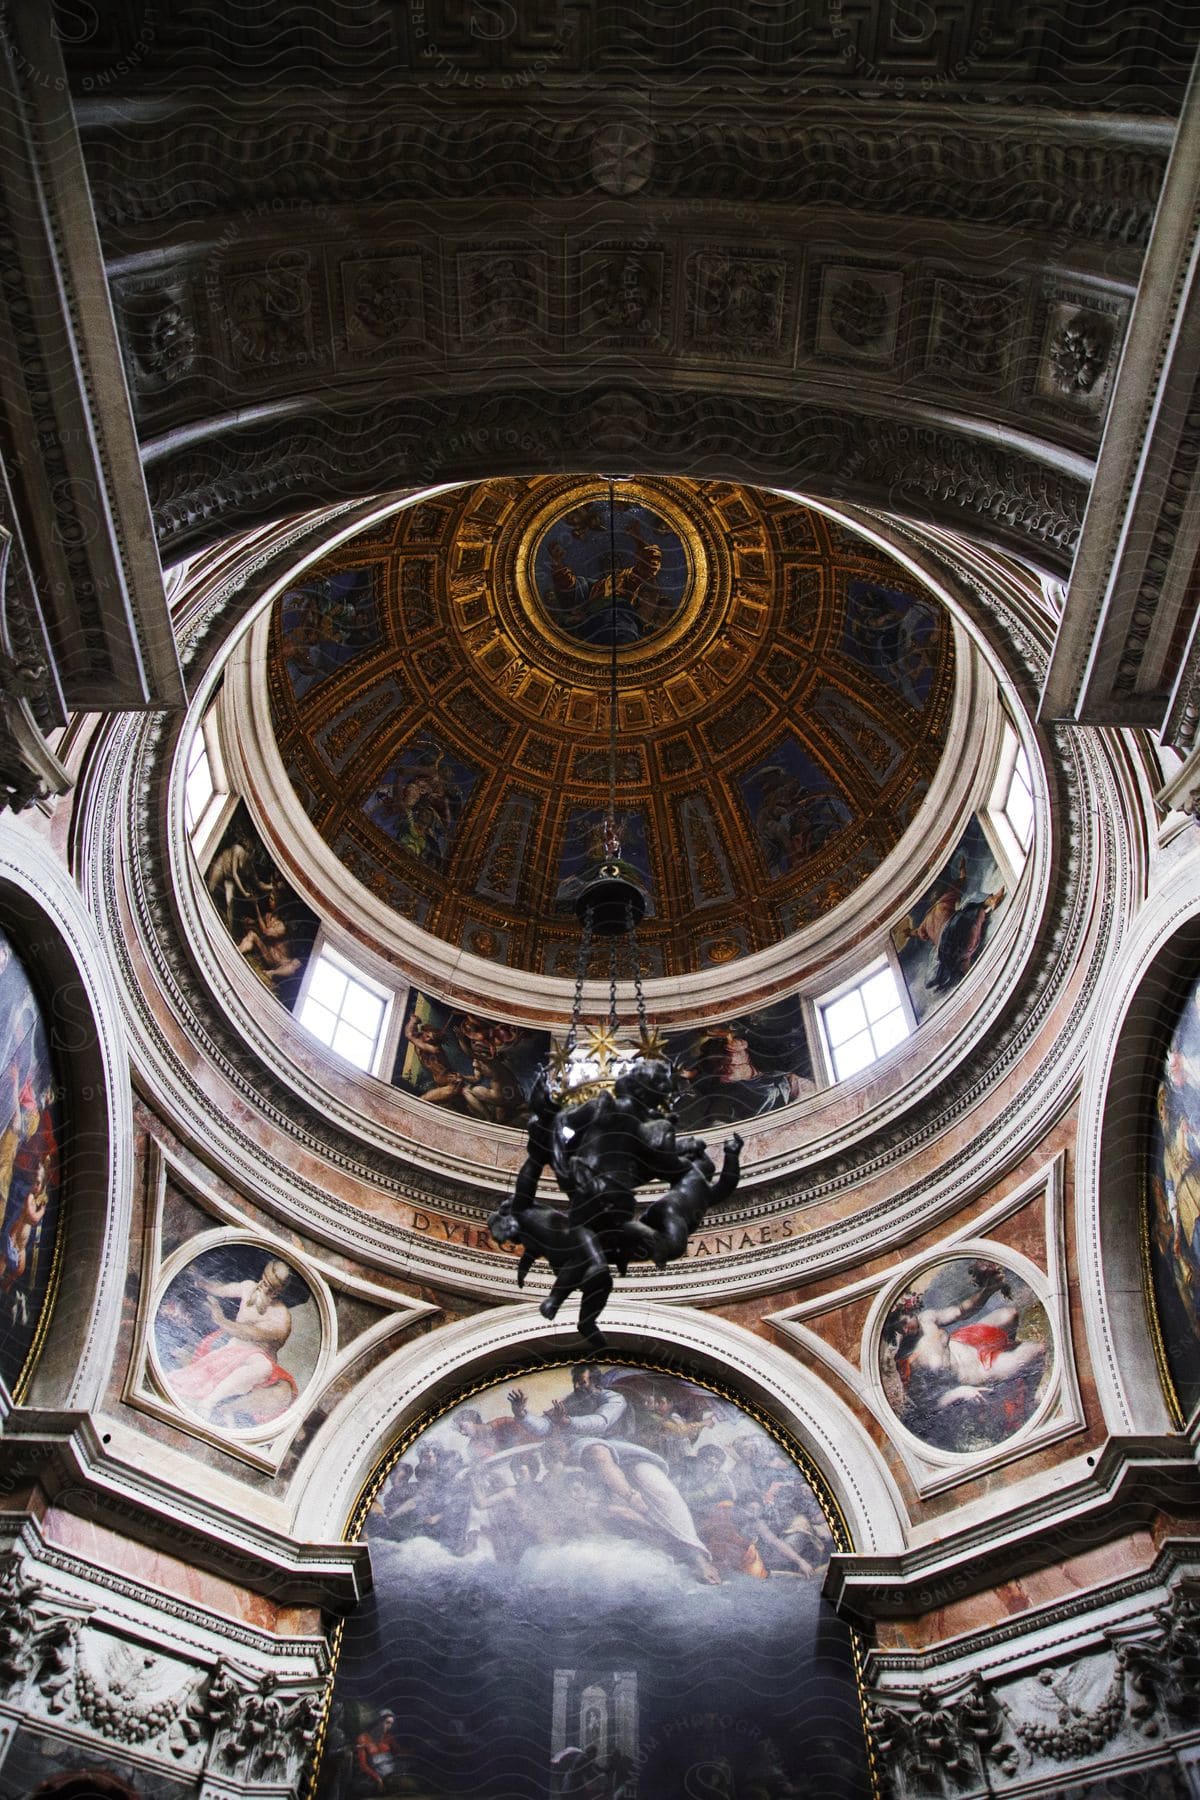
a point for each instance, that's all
(583, 551)
(965, 1354)
(238, 1335)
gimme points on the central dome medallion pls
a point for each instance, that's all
(565, 559)
(439, 691)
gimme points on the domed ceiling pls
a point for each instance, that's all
(439, 692)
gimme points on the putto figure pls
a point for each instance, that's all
(602, 1150)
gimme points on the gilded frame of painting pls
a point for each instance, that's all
(1149, 1299)
(24, 1377)
(513, 1371)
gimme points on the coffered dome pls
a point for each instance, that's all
(439, 694)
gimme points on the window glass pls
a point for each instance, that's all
(343, 1013)
(1018, 804)
(865, 1022)
(199, 787)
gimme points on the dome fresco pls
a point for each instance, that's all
(439, 696)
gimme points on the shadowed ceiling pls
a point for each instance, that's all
(883, 255)
(440, 701)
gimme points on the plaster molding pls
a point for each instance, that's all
(1182, 793)
(75, 478)
(98, 1663)
(1090, 178)
(1111, 1694)
(936, 466)
(129, 1601)
(1132, 1485)
(158, 1505)
(1118, 658)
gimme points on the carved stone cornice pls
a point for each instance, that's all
(66, 436)
(63, 1453)
(1135, 1483)
(1127, 649)
(99, 1664)
(1104, 1685)
(237, 475)
(29, 697)
(971, 52)
(1078, 180)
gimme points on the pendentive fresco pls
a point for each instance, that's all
(965, 1355)
(237, 1336)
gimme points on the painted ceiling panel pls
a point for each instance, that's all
(783, 691)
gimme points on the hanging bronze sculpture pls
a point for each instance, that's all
(602, 1118)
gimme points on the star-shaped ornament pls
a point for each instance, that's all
(560, 1060)
(652, 1045)
(602, 1042)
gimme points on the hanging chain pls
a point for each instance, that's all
(585, 948)
(635, 955)
(612, 982)
(612, 845)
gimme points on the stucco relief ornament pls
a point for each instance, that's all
(1079, 352)
(600, 1114)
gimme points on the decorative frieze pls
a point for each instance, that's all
(939, 471)
(1066, 183)
(133, 1673)
(1118, 1700)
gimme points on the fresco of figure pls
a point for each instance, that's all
(236, 1336)
(30, 1163)
(955, 925)
(945, 932)
(552, 1572)
(970, 1349)
(271, 927)
(483, 1068)
(740, 1068)
(324, 624)
(598, 600)
(1173, 1200)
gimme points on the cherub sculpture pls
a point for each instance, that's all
(602, 1150)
